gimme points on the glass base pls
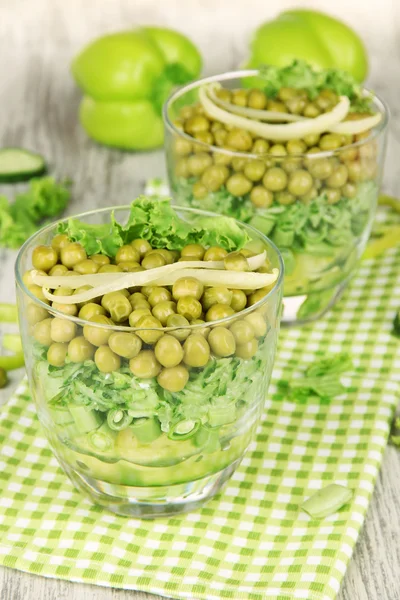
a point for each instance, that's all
(150, 502)
(305, 308)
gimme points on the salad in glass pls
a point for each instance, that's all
(295, 152)
(149, 334)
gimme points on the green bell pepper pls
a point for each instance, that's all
(126, 77)
(310, 35)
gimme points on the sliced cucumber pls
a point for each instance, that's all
(17, 164)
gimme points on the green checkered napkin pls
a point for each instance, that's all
(251, 542)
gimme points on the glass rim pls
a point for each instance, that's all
(376, 131)
(127, 329)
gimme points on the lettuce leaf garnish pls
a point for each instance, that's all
(43, 200)
(301, 75)
(158, 222)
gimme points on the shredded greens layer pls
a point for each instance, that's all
(214, 394)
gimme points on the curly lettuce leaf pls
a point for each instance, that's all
(96, 239)
(155, 220)
(44, 199)
(301, 75)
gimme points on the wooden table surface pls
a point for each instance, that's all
(39, 104)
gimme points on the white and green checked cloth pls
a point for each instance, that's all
(251, 542)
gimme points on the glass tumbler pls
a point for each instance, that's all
(314, 197)
(125, 441)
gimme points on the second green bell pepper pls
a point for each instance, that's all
(309, 35)
(126, 77)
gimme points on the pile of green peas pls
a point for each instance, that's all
(282, 172)
(149, 349)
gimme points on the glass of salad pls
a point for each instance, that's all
(149, 335)
(296, 153)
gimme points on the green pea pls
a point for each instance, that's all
(197, 123)
(247, 349)
(278, 150)
(309, 196)
(42, 332)
(182, 168)
(59, 241)
(57, 271)
(311, 139)
(215, 253)
(296, 105)
(206, 137)
(174, 379)
(333, 195)
(242, 331)
(338, 177)
(276, 106)
(218, 312)
(196, 351)
(44, 258)
(98, 336)
(296, 147)
(194, 250)
(254, 170)
(198, 163)
(106, 360)
(311, 110)
(126, 345)
(239, 300)
(56, 354)
(145, 365)
(291, 164)
(349, 190)
(152, 261)
(240, 140)
(214, 177)
(62, 330)
(224, 94)
(163, 310)
(275, 179)
(79, 349)
(182, 147)
(110, 269)
(300, 182)
(142, 246)
(238, 163)
(100, 259)
(239, 97)
(216, 295)
(72, 254)
(260, 146)
(189, 307)
(257, 99)
(256, 320)
(117, 305)
(222, 341)
(199, 190)
(181, 323)
(149, 329)
(137, 314)
(34, 314)
(159, 294)
(330, 141)
(287, 93)
(91, 309)
(187, 286)
(238, 185)
(220, 137)
(168, 351)
(285, 198)
(236, 261)
(321, 168)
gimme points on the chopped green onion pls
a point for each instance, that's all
(327, 501)
(183, 430)
(12, 342)
(8, 313)
(86, 419)
(118, 419)
(146, 430)
(102, 439)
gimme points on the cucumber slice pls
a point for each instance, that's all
(17, 164)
